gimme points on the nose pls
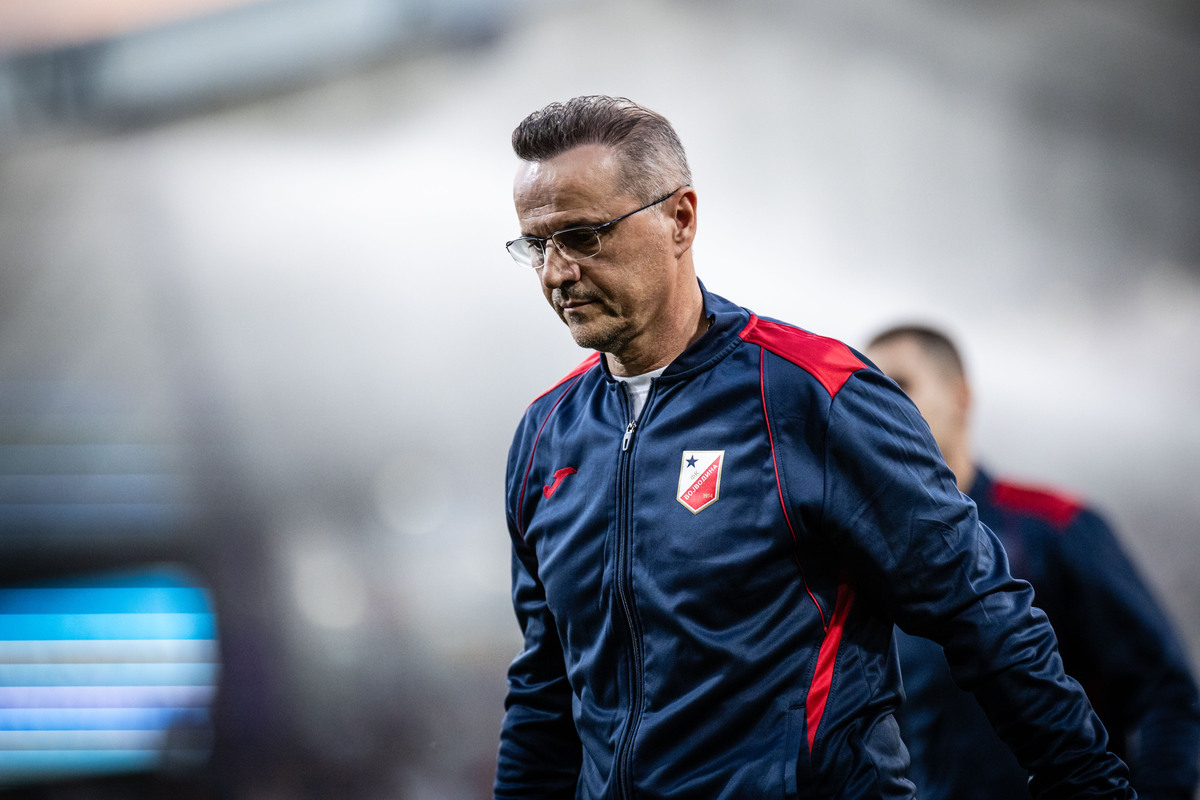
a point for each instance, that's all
(557, 268)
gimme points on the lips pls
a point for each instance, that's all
(572, 303)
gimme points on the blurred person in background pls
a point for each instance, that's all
(716, 519)
(1114, 637)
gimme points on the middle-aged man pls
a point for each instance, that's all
(717, 518)
(1112, 633)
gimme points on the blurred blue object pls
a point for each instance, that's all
(105, 674)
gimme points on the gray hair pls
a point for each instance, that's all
(653, 160)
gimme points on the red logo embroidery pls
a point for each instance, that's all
(700, 479)
(551, 488)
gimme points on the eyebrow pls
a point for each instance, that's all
(568, 226)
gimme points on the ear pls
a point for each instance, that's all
(684, 220)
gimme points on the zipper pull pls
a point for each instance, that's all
(628, 435)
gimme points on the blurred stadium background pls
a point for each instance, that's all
(261, 351)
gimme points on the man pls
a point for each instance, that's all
(1112, 634)
(716, 520)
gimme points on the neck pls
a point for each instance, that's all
(662, 347)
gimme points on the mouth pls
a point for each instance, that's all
(567, 305)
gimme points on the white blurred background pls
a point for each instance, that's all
(275, 229)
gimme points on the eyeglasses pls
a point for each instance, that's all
(577, 243)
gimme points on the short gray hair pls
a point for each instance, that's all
(653, 160)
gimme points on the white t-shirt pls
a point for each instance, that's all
(638, 387)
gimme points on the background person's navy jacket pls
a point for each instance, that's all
(744, 649)
(1114, 639)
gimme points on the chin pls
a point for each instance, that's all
(595, 337)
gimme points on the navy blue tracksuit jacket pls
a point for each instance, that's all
(707, 593)
(1113, 637)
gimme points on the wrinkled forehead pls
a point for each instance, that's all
(583, 168)
(583, 183)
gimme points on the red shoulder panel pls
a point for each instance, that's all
(828, 360)
(583, 367)
(1058, 509)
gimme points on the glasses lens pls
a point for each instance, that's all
(526, 252)
(578, 242)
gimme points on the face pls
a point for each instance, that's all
(611, 301)
(940, 397)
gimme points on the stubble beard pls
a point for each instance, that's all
(602, 328)
(605, 335)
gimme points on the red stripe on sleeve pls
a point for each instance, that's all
(779, 485)
(818, 692)
(573, 376)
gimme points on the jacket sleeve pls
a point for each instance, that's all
(915, 542)
(539, 748)
(1135, 667)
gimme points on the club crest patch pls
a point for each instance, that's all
(700, 479)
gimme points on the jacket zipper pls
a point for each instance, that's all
(624, 585)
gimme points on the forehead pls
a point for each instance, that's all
(579, 185)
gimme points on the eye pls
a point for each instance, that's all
(576, 239)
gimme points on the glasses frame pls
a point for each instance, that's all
(540, 241)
